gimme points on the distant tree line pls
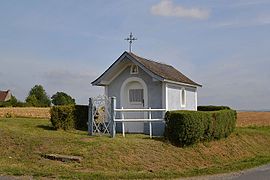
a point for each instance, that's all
(37, 97)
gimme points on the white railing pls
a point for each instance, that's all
(150, 120)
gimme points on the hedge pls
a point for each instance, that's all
(185, 128)
(212, 108)
(69, 117)
(81, 117)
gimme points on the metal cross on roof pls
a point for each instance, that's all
(130, 39)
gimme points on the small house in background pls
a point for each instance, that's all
(5, 95)
(139, 83)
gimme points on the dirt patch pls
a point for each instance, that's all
(63, 158)
(245, 119)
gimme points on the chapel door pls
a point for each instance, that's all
(134, 100)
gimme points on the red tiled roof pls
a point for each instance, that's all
(3, 95)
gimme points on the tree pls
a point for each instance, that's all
(13, 101)
(10, 103)
(61, 98)
(38, 97)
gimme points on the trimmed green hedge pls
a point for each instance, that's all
(69, 117)
(212, 108)
(185, 128)
(81, 117)
(62, 117)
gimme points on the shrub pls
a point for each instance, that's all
(184, 128)
(62, 117)
(81, 117)
(61, 98)
(8, 115)
(69, 117)
(212, 108)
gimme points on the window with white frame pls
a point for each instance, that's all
(136, 96)
(183, 97)
(134, 69)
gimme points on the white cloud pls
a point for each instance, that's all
(167, 8)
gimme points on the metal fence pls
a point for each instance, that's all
(107, 124)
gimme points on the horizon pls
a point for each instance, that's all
(65, 45)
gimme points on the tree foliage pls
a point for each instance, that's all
(61, 98)
(38, 97)
(13, 102)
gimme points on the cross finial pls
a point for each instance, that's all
(130, 39)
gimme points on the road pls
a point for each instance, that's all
(258, 173)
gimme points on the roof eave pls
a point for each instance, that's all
(181, 83)
(99, 79)
(100, 83)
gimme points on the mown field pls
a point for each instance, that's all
(245, 119)
(34, 112)
(25, 140)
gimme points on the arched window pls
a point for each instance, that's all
(183, 97)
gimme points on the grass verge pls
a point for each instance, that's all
(24, 140)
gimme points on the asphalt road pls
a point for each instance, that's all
(258, 173)
(261, 173)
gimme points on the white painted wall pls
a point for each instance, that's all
(173, 97)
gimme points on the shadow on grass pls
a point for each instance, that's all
(46, 127)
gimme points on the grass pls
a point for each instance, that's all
(24, 140)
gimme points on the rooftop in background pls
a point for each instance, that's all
(5, 95)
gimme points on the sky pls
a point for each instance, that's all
(66, 44)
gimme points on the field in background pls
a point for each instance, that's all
(245, 119)
(31, 112)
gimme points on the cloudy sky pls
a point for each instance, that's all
(65, 44)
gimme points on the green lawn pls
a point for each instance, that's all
(24, 140)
